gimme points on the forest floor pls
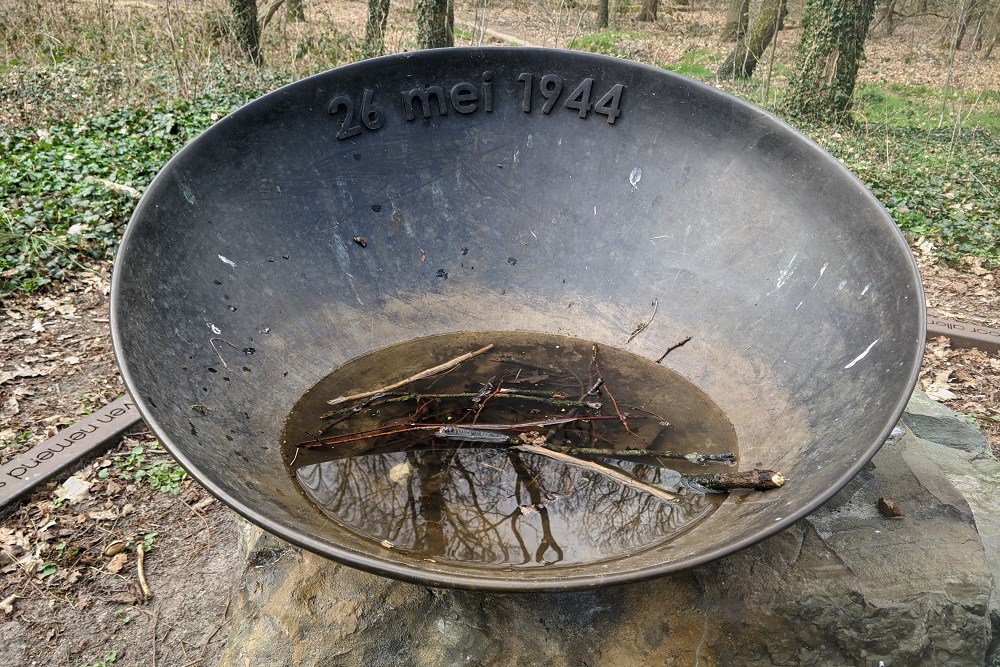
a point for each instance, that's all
(68, 599)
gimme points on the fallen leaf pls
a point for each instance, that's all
(117, 562)
(37, 326)
(7, 606)
(103, 515)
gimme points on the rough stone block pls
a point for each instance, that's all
(844, 586)
(932, 421)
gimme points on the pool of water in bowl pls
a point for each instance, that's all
(432, 467)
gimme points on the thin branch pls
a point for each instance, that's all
(672, 348)
(269, 14)
(642, 327)
(693, 457)
(419, 376)
(619, 477)
(399, 427)
(502, 393)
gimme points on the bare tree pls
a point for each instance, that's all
(966, 13)
(737, 16)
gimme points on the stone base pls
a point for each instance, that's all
(844, 586)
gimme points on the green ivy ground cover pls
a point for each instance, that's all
(58, 209)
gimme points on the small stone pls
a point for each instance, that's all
(74, 490)
(114, 548)
(401, 472)
(889, 509)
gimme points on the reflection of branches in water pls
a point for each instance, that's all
(495, 506)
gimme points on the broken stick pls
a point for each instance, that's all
(611, 473)
(757, 479)
(448, 365)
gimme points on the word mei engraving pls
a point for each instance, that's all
(464, 98)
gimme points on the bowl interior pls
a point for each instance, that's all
(514, 190)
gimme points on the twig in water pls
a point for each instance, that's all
(399, 427)
(471, 435)
(757, 479)
(619, 477)
(614, 402)
(140, 553)
(419, 376)
(727, 458)
(550, 399)
(594, 387)
(642, 327)
(672, 348)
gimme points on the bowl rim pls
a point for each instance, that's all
(496, 580)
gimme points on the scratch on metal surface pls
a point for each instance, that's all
(228, 261)
(863, 354)
(821, 272)
(865, 290)
(786, 273)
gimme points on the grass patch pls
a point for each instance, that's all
(162, 473)
(697, 64)
(609, 42)
(923, 107)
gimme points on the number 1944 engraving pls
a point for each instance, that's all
(551, 87)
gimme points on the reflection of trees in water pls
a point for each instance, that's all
(496, 506)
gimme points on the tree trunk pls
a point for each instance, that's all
(296, 10)
(246, 29)
(434, 30)
(749, 49)
(831, 51)
(648, 11)
(888, 16)
(602, 14)
(378, 16)
(737, 17)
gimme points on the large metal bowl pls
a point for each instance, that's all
(800, 296)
